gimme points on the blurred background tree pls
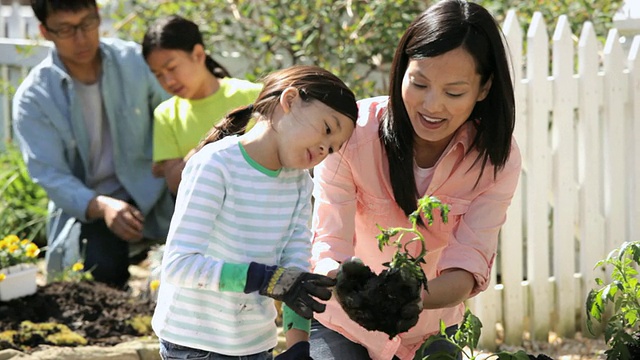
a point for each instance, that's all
(353, 38)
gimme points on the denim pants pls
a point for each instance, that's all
(171, 351)
(327, 344)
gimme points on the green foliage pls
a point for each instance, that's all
(598, 12)
(354, 39)
(468, 334)
(465, 340)
(23, 204)
(402, 259)
(622, 291)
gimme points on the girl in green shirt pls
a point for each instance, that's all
(203, 90)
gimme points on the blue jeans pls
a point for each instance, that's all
(171, 351)
(327, 344)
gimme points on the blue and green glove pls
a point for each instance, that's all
(294, 287)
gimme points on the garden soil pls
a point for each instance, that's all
(100, 314)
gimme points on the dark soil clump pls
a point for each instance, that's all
(97, 312)
(387, 302)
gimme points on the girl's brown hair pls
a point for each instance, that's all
(312, 82)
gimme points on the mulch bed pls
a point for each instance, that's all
(98, 313)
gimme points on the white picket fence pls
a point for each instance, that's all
(21, 47)
(578, 127)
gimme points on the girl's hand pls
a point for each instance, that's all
(157, 169)
(292, 286)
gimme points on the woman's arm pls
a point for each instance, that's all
(449, 289)
(333, 221)
(473, 245)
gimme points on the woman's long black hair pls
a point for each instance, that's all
(443, 27)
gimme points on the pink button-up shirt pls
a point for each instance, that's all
(353, 193)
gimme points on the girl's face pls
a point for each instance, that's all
(440, 93)
(309, 131)
(179, 72)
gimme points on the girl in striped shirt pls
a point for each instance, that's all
(239, 236)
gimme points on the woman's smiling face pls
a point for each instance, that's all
(440, 93)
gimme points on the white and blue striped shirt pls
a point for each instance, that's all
(229, 209)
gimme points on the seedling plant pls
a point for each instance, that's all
(622, 292)
(391, 301)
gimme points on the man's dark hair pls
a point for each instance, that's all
(43, 8)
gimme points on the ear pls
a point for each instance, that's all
(287, 98)
(198, 54)
(484, 91)
(43, 31)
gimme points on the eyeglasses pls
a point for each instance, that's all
(67, 31)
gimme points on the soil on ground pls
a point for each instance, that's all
(97, 312)
(102, 316)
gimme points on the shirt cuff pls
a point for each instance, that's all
(233, 277)
(291, 320)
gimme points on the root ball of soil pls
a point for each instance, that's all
(387, 302)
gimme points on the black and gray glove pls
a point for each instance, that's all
(292, 286)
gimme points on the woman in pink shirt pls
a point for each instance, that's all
(444, 130)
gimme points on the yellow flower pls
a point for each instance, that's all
(14, 251)
(153, 285)
(2, 276)
(32, 250)
(12, 239)
(77, 266)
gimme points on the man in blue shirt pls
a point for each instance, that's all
(83, 120)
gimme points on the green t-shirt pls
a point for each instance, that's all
(180, 124)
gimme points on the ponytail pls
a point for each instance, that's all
(215, 68)
(235, 123)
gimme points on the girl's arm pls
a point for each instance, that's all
(197, 207)
(173, 173)
(297, 248)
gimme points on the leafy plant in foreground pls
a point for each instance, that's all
(402, 259)
(465, 340)
(622, 332)
(396, 291)
(23, 204)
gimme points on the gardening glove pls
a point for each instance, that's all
(299, 351)
(292, 286)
